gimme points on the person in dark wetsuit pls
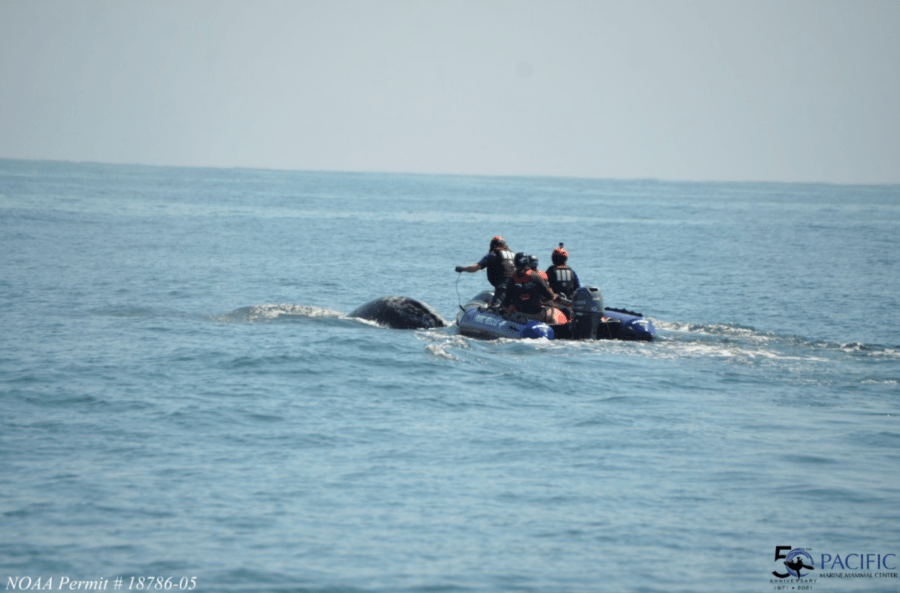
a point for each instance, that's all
(498, 263)
(527, 294)
(561, 278)
(533, 264)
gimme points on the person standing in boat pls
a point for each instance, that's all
(561, 278)
(527, 294)
(498, 263)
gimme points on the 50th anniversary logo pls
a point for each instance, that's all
(801, 568)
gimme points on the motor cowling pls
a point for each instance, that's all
(587, 303)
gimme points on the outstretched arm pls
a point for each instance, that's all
(472, 268)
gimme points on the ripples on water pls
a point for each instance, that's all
(183, 393)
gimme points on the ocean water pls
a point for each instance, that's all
(184, 398)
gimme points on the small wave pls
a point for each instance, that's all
(880, 381)
(282, 312)
(440, 343)
(718, 329)
(871, 350)
(440, 351)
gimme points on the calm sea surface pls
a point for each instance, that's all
(183, 397)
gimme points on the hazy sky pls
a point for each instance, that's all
(786, 90)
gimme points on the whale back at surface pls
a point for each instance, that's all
(399, 312)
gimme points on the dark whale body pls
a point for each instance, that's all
(399, 313)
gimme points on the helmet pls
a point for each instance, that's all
(498, 241)
(533, 262)
(560, 255)
(521, 261)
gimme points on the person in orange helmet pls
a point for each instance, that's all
(561, 278)
(498, 263)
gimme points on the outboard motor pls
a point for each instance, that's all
(588, 305)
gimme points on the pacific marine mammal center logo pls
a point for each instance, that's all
(799, 564)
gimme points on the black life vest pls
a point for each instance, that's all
(500, 267)
(562, 280)
(529, 291)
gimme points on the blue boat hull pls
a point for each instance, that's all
(612, 324)
(478, 323)
(632, 326)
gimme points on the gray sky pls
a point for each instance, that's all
(786, 90)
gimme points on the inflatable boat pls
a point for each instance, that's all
(592, 321)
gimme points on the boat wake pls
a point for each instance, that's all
(747, 345)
